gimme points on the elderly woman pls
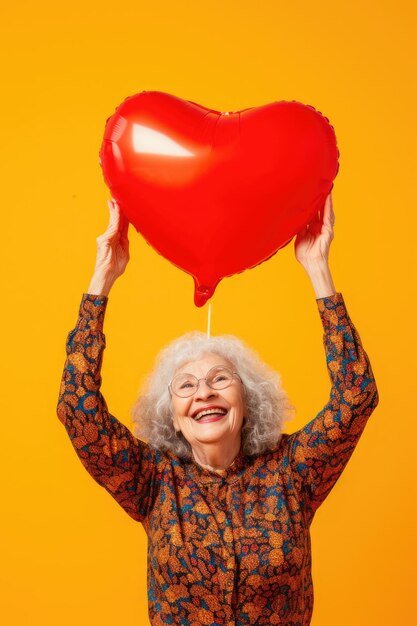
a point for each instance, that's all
(225, 497)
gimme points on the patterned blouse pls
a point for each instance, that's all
(233, 547)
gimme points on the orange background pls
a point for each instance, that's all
(70, 555)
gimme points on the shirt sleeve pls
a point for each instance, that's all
(118, 461)
(321, 450)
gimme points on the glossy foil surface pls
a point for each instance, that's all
(217, 192)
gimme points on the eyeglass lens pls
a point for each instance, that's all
(186, 384)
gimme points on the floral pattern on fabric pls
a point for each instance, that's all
(228, 548)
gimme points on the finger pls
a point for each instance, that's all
(114, 220)
(123, 222)
(329, 217)
(124, 227)
(121, 216)
(114, 209)
(115, 205)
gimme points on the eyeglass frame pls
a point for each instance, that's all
(223, 367)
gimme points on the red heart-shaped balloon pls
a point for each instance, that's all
(217, 193)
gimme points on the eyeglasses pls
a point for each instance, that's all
(219, 377)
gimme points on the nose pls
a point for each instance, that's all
(204, 391)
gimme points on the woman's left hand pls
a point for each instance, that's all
(312, 244)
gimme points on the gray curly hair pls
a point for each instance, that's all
(267, 407)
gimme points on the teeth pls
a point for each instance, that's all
(210, 412)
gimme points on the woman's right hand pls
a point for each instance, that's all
(112, 252)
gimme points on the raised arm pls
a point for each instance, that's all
(121, 463)
(320, 451)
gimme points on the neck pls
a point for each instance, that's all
(215, 457)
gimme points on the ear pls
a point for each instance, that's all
(175, 422)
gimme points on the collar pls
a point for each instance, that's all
(206, 476)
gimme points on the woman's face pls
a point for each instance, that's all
(223, 427)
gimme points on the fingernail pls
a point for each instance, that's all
(110, 204)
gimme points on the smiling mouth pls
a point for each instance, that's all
(210, 415)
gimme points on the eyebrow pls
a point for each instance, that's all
(228, 367)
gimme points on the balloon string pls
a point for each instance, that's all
(208, 320)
